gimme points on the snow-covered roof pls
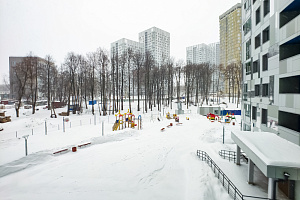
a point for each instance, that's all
(270, 153)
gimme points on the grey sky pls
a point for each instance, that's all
(57, 27)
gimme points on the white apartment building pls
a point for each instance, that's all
(157, 42)
(202, 53)
(271, 67)
(271, 80)
(122, 45)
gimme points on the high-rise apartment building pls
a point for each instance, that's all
(230, 38)
(271, 67)
(271, 87)
(157, 42)
(123, 44)
(202, 53)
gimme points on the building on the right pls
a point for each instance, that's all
(271, 67)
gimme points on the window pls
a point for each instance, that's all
(264, 116)
(245, 90)
(248, 68)
(257, 41)
(256, 90)
(255, 66)
(265, 90)
(265, 62)
(257, 15)
(247, 26)
(247, 110)
(248, 49)
(266, 34)
(254, 2)
(289, 13)
(254, 111)
(266, 7)
(290, 48)
(289, 120)
(289, 85)
(247, 5)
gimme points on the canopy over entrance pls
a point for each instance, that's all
(274, 156)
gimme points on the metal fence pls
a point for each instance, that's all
(231, 155)
(227, 184)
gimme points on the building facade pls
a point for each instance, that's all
(271, 67)
(122, 45)
(230, 24)
(202, 53)
(157, 42)
(13, 62)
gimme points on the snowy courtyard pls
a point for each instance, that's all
(124, 164)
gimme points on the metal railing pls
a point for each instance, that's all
(231, 155)
(227, 184)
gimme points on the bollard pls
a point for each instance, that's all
(64, 124)
(94, 119)
(102, 128)
(90, 121)
(26, 137)
(223, 134)
(58, 126)
(45, 128)
(16, 134)
(32, 132)
(80, 122)
(70, 125)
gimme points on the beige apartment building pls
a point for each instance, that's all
(230, 39)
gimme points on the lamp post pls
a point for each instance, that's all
(26, 137)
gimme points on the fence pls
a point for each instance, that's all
(231, 155)
(227, 184)
(43, 127)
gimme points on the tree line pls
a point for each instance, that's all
(112, 79)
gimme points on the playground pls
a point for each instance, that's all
(125, 163)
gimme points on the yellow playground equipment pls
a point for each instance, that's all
(127, 119)
(169, 117)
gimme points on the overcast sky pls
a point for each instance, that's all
(56, 27)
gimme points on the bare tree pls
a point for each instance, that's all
(138, 60)
(21, 75)
(91, 68)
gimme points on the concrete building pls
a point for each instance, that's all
(4, 92)
(230, 38)
(271, 87)
(157, 42)
(118, 47)
(202, 53)
(271, 72)
(13, 62)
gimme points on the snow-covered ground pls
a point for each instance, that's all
(126, 164)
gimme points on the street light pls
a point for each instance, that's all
(26, 137)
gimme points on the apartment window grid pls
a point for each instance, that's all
(265, 62)
(257, 15)
(256, 90)
(266, 7)
(265, 90)
(257, 41)
(264, 116)
(254, 113)
(255, 66)
(266, 34)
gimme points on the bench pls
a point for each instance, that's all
(163, 129)
(61, 151)
(84, 145)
